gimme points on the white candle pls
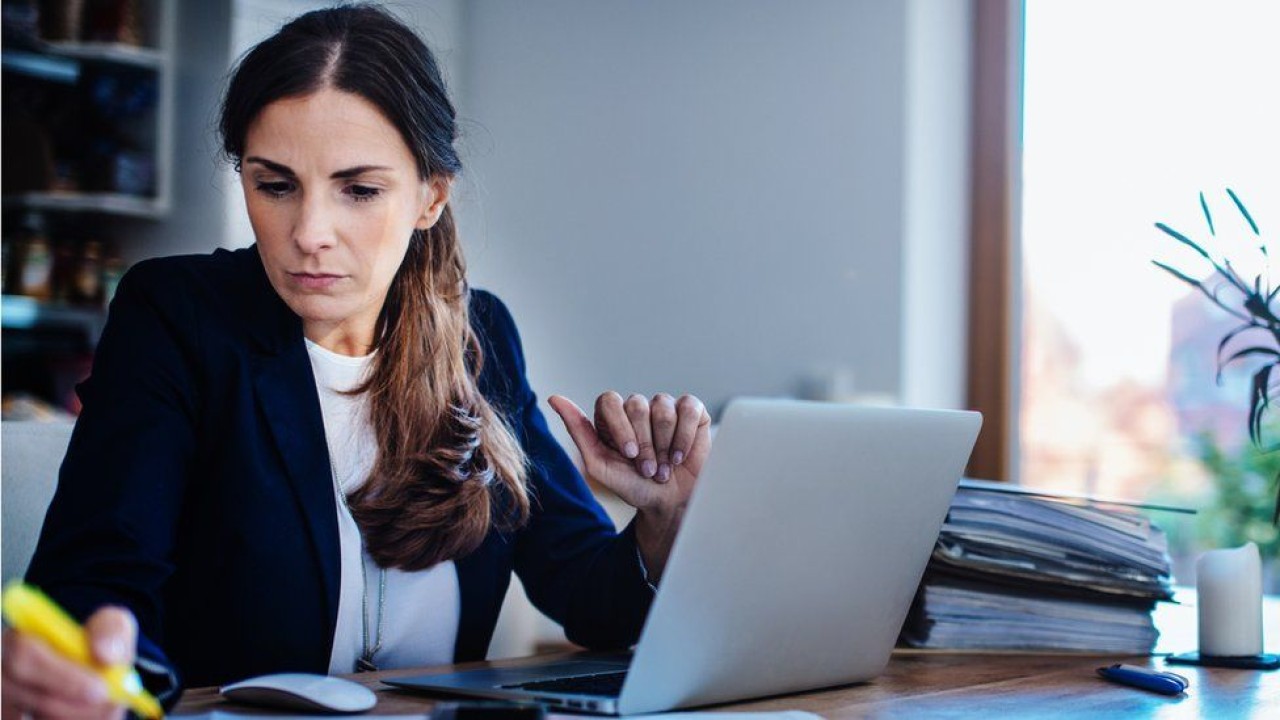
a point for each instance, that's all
(1229, 595)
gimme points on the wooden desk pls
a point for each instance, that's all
(978, 685)
(992, 687)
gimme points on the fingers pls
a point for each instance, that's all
(39, 682)
(113, 635)
(581, 431)
(656, 434)
(646, 460)
(691, 415)
(25, 704)
(663, 418)
(613, 427)
(36, 680)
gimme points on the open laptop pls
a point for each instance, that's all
(798, 557)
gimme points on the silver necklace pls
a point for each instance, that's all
(365, 661)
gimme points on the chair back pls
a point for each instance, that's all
(31, 453)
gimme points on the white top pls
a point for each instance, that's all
(421, 608)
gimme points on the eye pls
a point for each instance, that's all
(275, 189)
(362, 193)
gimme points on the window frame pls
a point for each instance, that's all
(994, 320)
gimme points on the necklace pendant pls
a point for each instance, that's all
(365, 664)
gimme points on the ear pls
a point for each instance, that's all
(436, 196)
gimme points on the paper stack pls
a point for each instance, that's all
(1018, 572)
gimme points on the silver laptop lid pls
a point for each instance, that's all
(843, 504)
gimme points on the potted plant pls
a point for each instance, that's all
(1249, 302)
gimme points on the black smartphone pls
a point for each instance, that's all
(487, 710)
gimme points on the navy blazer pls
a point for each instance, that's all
(196, 490)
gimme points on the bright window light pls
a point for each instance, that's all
(1131, 110)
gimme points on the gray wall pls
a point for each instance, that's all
(723, 197)
(935, 206)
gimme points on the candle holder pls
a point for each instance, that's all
(1261, 661)
(1229, 601)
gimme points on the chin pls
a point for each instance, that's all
(319, 308)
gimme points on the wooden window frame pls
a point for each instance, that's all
(996, 158)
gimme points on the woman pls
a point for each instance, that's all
(321, 453)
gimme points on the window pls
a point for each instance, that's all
(1130, 110)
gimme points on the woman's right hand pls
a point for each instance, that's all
(40, 683)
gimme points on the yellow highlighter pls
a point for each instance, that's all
(32, 612)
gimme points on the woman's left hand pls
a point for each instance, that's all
(647, 451)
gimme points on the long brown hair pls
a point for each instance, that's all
(449, 467)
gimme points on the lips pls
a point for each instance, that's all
(315, 281)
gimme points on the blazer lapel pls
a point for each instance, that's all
(286, 392)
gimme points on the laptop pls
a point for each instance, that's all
(797, 560)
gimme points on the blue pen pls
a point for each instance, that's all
(1163, 682)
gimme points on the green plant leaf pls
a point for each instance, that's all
(1252, 225)
(1259, 401)
(1204, 206)
(1230, 276)
(1184, 240)
(1248, 352)
(1275, 517)
(1222, 346)
(1200, 286)
(1254, 312)
(1259, 308)
(1178, 274)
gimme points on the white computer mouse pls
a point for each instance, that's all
(302, 691)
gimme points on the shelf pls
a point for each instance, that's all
(107, 203)
(45, 67)
(60, 62)
(65, 95)
(25, 313)
(117, 53)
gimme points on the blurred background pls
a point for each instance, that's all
(943, 203)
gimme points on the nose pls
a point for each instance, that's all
(314, 229)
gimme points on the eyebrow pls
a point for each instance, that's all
(338, 175)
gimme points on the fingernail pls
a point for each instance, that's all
(677, 457)
(664, 472)
(631, 450)
(111, 650)
(648, 468)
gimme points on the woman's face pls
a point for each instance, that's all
(334, 195)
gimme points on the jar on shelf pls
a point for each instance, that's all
(117, 21)
(63, 274)
(33, 260)
(62, 20)
(87, 287)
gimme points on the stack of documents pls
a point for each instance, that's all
(1012, 571)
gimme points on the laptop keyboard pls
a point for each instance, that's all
(602, 684)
